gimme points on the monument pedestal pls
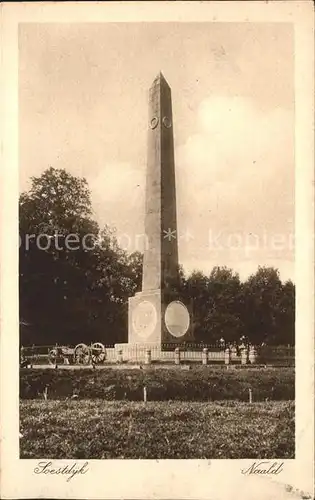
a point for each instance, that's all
(155, 323)
(157, 319)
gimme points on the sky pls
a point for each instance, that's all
(83, 106)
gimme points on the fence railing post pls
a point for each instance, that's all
(233, 352)
(244, 356)
(91, 357)
(177, 355)
(119, 356)
(32, 355)
(252, 355)
(147, 358)
(227, 356)
(205, 356)
(56, 361)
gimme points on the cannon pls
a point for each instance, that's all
(81, 354)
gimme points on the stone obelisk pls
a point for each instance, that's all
(156, 314)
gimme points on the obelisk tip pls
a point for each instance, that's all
(159, 79)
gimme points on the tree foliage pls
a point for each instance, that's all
(70, 293)
(261, 309)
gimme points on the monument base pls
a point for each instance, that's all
(157, 318)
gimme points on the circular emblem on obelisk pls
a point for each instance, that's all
(144, 319)
(154, 122)
(177, 318)
(167, 122)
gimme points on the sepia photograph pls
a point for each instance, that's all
(157, 251)
(156, 224)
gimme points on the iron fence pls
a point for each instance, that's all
(196, 353)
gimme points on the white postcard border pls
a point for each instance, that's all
(202, 479)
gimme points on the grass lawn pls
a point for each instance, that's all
(96, 429)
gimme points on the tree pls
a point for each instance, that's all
(225, 304)
(70, 293)
(195, 289)
(285, 333)
(52, 273)
(132, 276)
(262, 309)
(216, 304)
(262, 312)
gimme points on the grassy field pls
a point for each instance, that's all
(196, 384)
(96, 429)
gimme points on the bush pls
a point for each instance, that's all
(197, 384)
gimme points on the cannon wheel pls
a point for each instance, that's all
(81, 354)
(98, 353)
(53, 356)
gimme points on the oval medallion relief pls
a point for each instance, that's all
(144, 319)
(177, 318)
